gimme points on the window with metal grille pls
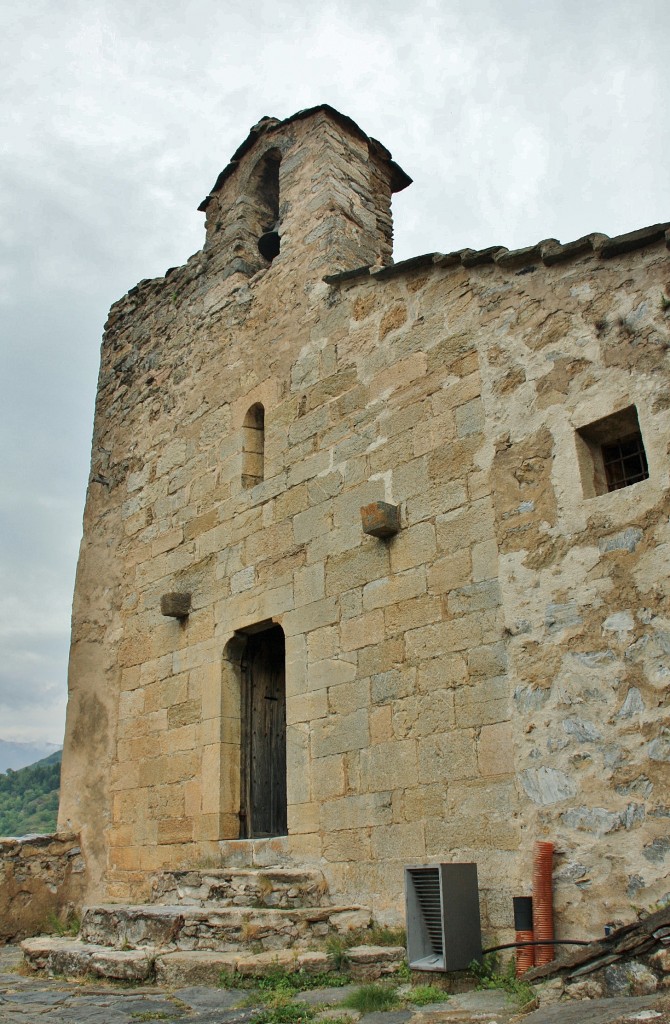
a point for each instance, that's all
(610, 453)
(625, 462)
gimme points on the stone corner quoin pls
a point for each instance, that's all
(247, 661)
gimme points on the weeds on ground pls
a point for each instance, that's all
(286, 1013)
(490, 975)
(369, 998)
(300, 981)
(148, 1015)
(422, 995)
(383, 935)
(404, 973)
(278, 980)
(336, 948)
(374, 935)
(68, 927)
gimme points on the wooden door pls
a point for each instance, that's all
(263, 811)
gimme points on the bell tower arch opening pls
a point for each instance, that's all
(264, 191)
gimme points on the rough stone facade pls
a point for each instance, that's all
(41, 881)
(493, 673)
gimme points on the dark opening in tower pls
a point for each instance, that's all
(265, 185)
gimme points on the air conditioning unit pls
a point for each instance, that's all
(442, 914)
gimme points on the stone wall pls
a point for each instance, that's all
(41, 879)
(492, 674)
(631, 960)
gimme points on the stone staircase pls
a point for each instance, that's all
(202, 922)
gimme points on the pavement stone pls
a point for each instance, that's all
(38, 1000)
(237, 1016)
(492, 1000)
(604, 1011)
(331, 996)
(387, 1017)
(199, 997)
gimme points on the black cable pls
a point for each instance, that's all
(541, 942)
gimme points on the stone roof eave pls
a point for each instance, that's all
(548, 252)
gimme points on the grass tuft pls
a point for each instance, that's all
(278, 980)
(148, 1015)
(63, 928)
(284, 1013)
(336, 948)
(490, 975)
(383, 935)
(370, 998)
(422, 995)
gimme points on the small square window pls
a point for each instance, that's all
(625, 462)
(611, 453)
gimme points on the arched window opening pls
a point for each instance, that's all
(265, 189)
(253, 446)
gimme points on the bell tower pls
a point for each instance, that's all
(313, 191)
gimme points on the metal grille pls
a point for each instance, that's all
(625, 462)
(427, 888)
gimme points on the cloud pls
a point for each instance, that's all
(517, 121)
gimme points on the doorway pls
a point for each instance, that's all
(263, 767)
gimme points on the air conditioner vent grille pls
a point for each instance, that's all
(427, 889)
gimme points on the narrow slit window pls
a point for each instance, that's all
(253, 446)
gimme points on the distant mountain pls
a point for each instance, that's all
(19, 755)
(29, 797)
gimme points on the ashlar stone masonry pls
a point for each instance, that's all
(247, 661)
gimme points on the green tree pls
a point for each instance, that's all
(29, 797)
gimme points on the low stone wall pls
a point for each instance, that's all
(41, 880)
(633, 960)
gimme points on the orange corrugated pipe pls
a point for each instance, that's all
(543, 901)
(524, 957)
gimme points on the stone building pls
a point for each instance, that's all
(478, 660)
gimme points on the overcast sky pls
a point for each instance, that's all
(517, 120)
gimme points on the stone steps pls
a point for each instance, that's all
(76, 958)
(213, 927)
(274, 888)
(238, 919)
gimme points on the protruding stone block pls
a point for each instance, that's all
(176, 605)
(380, 519)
